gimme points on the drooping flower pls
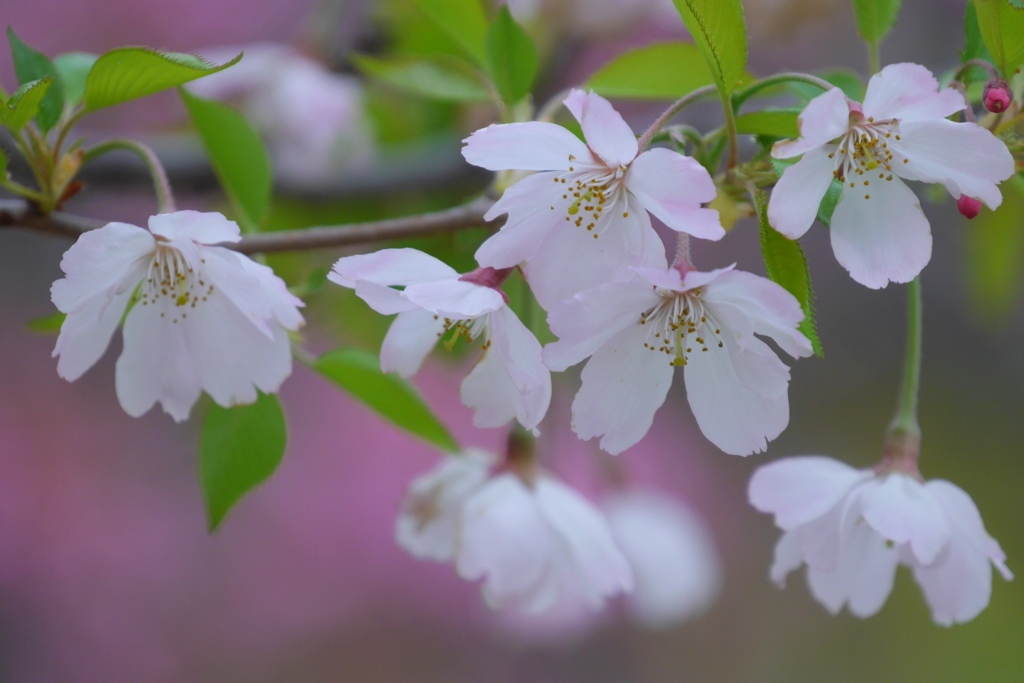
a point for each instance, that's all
(536, 543)
(601, 189)
(901, 132)
(201, 317)
(638, 331)
(509, 381)
(675, 564)
(853, 527)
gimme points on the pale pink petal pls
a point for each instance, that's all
(588, 320)
(535, 208)
(97, 263)
(824, 119)
(520, 353)
(383, 299)
(820, 539)
(903, 511)
(202, 227)
(410, 339)
(881, 239)
(624, 384)
(901, 86)
(606, 132)
(787, 558)
(964, 157)
(284, 304)
(944, 103)
(672, 187)
(454, 298)
(531, 146)
(86, 332)
(390, 267)
(732, 416)
(490, 392)
(864, 577)
(801, 489)
(662, 278)
(220, 273)
(697, 278)
(794, 202)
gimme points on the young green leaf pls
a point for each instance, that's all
(440, 77)
(660, 71)
(875, 18)
(780, 123)
(511, 56)
(358, 372)
(23, 104)
(46, 324)
(237, 155)
(31, 65)
(718, 28)
(786, 265)
(74, 68)
(129, 73)
(463, 21)
(239, 448)
(1002, 28)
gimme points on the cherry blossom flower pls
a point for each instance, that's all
(675, 564)
(200, 317)
(536, 543)
(509, 381)
(638, 331)
(589, 202)
(901, 132)
(853, 527)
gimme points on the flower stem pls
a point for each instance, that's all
(670, 113)
(730, 126)
(742, 96)
(905, 421)
(164, 197)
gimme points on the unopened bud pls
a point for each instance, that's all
(968, 206)
(997, 96)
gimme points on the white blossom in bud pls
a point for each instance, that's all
(509, 381)
(638, 331)
(853, 527)
(588, 204)
(901, 132)
(199, 317)
(675, 564)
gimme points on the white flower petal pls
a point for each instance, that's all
(907, 91)
(454, 298)
(204, 228)
(221, 273)
(284, 305)
(410, 339)
(520, 353)
(97, 263)
(390, 267)
(788, 558)
(86, 332)
(624, 384)
(883, 239)
(903, 511)
(606, 132)
(530, 146)
(383, 299)
(801, 489)
(964, 157)
(535, 208)
(672, 187)
(490, 392)
(794, 202)
(825, 118)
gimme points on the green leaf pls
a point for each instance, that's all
(239, 448)
(31, 65)
(660, 71)
(995, 255)
(358, 372)
(1002, 28)
(780, 123)
(512, 57)
(237, 155)
(440, 77)
(718, 28)
(46, 324)
(23, 104)
(463, 21)
(786, 265)
(875, 18)
(74, 68)
(129, 73)
(846, 80)
(3, 165)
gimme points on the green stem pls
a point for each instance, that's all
(874, 58)
(905, 422)
(730, 126)
(742, 96)
(669, 114)
(164, 198)
(64, 132)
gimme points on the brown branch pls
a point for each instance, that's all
(16, 213)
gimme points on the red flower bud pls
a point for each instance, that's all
(968, 206)
(997, 95)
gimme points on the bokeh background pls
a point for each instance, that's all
(107, 572)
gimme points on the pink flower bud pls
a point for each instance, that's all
(968, 206)
(997, 96)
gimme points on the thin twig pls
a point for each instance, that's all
(17, 213)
